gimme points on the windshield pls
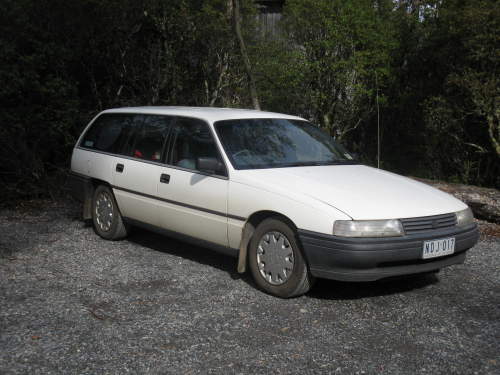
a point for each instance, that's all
(274, 143)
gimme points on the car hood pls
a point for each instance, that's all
(359, 191)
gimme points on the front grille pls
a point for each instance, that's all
(428, 223)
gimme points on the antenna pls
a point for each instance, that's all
(378, 123)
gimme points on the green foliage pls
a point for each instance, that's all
(470, 92)
(62, 62)
(444, 77)
(329, 62)
(39, 100)
(477, 75)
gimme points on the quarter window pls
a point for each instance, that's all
(110, 133)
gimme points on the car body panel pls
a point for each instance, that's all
(136, 177)
(362, 192)
(303, 211)
(94, 164)
(193, 204)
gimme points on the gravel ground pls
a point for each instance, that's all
(71, 302)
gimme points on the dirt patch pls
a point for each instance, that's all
(489, 229)
(484, 202)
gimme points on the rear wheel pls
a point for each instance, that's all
(106, 217)
(276, 261)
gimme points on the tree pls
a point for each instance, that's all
(244, 54)
(469, 103)
(39, 100)
(479, 74)
(62, 62)
(331, 54)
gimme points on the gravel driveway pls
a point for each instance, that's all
(71, 302)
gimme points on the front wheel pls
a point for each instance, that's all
(106, 217)
(276, 261)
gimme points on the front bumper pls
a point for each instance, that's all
(368, 259)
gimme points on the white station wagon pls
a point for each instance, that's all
(271, 189)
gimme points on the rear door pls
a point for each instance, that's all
(193, 203)
(135, 171)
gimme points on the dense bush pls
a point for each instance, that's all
(427, 69)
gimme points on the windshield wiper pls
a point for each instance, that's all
(303, 164)
(347, 162)
(316, 163)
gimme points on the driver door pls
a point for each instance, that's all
(193, 203)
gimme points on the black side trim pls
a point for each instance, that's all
(182, 204)
(184, 237)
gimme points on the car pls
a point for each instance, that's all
(270, 189)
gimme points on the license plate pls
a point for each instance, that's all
(438, 248)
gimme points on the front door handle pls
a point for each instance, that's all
(165, 178)
(119, 168)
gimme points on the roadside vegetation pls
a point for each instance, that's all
(417, 79)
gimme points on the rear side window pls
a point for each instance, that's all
(150, 138)
(111, 133)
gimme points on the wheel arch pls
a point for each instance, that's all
(249, 228)
(90, 187)
(257, 217)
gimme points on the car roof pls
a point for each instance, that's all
(210, 114)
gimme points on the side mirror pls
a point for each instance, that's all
(210, 165)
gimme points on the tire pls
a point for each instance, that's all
(104, 206)
(276, 243)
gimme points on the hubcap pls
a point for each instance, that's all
(104, 211)
(275, 258)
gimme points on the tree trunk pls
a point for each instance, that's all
(494, 132)
(244, 54)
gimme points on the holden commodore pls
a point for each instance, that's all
(271, 189)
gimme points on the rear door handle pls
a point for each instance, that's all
(119, 168)
(165, 178)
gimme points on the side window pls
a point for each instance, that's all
(150, 138)
(191, 139)
(110, 133)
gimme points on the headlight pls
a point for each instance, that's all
(368, 228)
(464, 217)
